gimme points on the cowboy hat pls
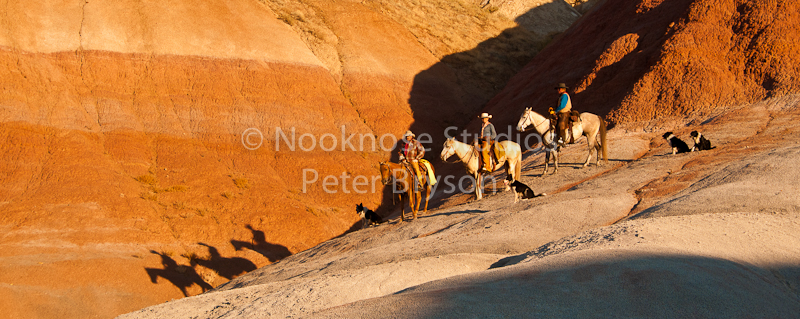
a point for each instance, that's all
(561, 86)
(485, 115)
(409, 133)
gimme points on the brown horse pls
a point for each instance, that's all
(403, 181)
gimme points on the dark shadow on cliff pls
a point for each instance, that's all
(452, 93)
(446, 97)
(259, 244)
(576, 58)
(180, 276)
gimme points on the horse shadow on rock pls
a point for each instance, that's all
(259, 244)
(180, 276)
(227, 267)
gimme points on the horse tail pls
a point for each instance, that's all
(603, 139)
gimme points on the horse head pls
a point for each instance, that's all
(448, 149)
(386, 176)
(524, 120)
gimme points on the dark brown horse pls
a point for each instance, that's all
(403, 182)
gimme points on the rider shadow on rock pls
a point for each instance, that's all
(226, 267)
(259, 244)
(180, 276)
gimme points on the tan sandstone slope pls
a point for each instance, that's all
(128, 174)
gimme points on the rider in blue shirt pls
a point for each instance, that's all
(562, 111)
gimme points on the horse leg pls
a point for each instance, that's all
(509, 173)
(478, 186)
(597, 147)
(554, 154)
(546, 162)
(589, 157)
(591, 140)
(418, 203)
(411, 199)
(402, 208)
(427, 197)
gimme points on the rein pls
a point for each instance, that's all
(455, 151)
(393, 179)
(391, 176)
(535, 126)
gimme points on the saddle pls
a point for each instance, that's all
(496, 152)
(574, 116)
(425, 168)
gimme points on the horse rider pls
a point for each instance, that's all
(562, 112)
(488, 136)
(412, 153)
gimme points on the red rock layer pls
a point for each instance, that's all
(641, 60)
(107, 156)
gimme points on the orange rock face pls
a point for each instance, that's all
(642, 60)
(153, 150)
(109, 156)
(131, 171)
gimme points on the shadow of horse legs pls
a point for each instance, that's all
(224, 266)
(181, 276)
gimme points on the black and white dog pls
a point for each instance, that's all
(369, 217)
(700, 142)
(677, 145)
(522, 191)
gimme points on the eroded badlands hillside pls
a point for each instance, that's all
(128, 173)
(640, 60)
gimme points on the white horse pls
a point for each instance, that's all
(542, 126)
(590, 125)
(471, 158)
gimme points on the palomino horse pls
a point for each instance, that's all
(471, 158)
(589, 125)
(404, 182)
